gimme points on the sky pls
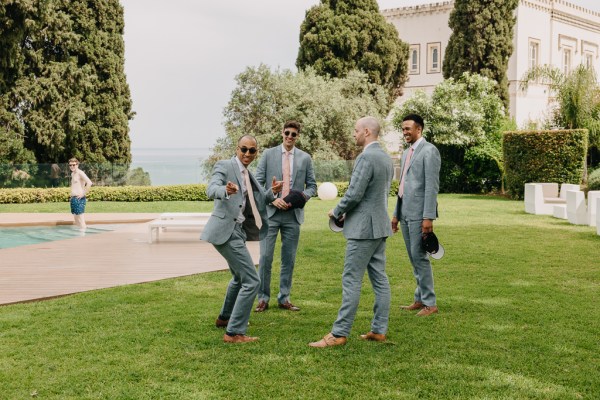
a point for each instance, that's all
(182, 56)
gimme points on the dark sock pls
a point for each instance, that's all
(230, 334)
(337, 336)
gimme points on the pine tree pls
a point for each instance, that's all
(339, 36)
(481, 40)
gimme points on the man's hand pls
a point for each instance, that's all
(394, 224)
(281, 204)
(427, 226)
(276, 185)
(231, 188)
(340, 218)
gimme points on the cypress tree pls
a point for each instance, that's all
(65, 81)
(481, 40)
(339, 36)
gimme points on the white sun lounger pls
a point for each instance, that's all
(157, 225)
(181, 215)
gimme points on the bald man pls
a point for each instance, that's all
(366, 228)
(239, 214)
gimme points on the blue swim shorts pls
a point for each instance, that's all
(77, 205)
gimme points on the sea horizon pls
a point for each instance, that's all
(171, 165)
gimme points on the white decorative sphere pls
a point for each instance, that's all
(327, 191)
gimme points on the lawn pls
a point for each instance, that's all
(519, 319)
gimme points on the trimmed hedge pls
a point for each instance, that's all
(543, 156)
(128, 193)
(108, 193)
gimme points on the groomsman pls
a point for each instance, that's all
(239, 214)
(295, 169)
(417, 208)
(366, 228)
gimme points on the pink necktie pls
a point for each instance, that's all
(257, 218)
(286, 174)
(406, 164)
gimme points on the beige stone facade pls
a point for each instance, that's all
(553, 32)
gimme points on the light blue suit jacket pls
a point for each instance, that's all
(421, 184)
(303, 175)
(221, 223)
(365, 202)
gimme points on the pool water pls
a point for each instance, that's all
(25, 235)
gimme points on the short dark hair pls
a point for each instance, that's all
(416, 118)
(292, 124)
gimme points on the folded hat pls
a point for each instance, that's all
(295, 199)
(431, 245)
(335, 224)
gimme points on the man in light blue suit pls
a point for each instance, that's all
(239, 214)
(417, 208)
(366, 228)
(295, 169)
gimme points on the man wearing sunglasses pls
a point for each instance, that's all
(294, 168)
(239, 214)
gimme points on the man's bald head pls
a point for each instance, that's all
(372, 124)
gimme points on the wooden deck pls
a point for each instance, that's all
(101, 260)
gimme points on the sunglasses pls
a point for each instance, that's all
(72, 165)
(288, 133)
(251, 150)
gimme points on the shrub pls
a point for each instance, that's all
(108, 193)
(128, 193)
(594, 180)
(543, 156)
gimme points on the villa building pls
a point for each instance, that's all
(552, 32)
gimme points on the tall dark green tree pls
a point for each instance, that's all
(12, 32)
(481, 40)
(64, 79)
(339, 36)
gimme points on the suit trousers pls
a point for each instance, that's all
(361, 255)
(243, 286)
(286, 223)
(411, 231)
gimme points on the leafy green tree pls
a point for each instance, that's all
(481, 40)
(326, 107)
(464, 118)
(339, 36)
(64, 79)
(577, 95)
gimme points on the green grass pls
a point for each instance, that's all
(519, 319)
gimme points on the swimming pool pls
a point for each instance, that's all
(25, 235)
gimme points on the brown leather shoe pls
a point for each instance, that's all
(417, 305)
(329, 340)
(376, 337)
(262, 306)
(427, 310)
(221, 323)
(289, 306)
(238, 339)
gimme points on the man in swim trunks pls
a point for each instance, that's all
(80, 185)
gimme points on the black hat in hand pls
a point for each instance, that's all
(295, 199)
(431, 245)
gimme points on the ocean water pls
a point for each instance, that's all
(171, 166)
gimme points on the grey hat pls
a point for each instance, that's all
(335, 224)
